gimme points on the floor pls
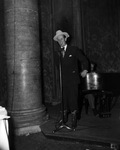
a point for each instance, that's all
(39, 142)
(102, 131)
(92, 133)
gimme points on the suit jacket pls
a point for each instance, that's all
(70, 68)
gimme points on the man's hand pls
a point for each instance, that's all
(84, 73)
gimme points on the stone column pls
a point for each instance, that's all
(23, 65)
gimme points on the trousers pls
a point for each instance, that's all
(70, 97)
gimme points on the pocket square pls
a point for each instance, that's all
(70, 55)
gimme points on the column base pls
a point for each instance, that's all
(28, 121)
(27, 130)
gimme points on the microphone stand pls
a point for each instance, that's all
(63, 125)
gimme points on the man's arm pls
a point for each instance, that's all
(84, 62)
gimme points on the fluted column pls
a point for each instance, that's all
(23, 65)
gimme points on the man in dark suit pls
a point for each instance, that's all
(71, 55)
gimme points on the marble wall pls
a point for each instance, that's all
(45, 19)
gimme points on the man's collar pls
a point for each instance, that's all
(64, 47)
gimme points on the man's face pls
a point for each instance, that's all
(61, 40)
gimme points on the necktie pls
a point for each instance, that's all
(63, 52)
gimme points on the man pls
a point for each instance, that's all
(70, 75)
